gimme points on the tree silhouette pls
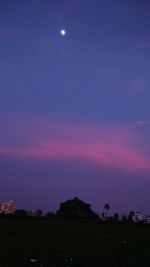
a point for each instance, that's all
(106, 208)
(131, 215)
(124, 218)
(76, 208)
(38, 213)
(50, 215)
(116, 217)
(21, 213)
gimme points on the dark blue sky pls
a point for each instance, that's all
(74, 109)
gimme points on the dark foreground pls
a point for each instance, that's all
(72, 244)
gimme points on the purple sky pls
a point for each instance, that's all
(74, 109)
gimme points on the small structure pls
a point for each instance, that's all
(7, 207)
(102, 217)
(137, 217)
(147, 219)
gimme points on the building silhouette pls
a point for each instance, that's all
(7, 207)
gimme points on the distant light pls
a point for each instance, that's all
(63, 32)
(33, 260)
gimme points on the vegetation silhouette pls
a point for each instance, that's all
(76, 208)
(20, 213)
(116, 217)
(131, 215)
(106, 208)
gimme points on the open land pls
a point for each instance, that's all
(33, 242)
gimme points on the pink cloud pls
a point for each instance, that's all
(139, 86)
(73, 132)
(112, 145)
(144, 44)
(7, 33)
(143, 122)
(10, 33)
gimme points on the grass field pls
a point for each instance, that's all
(73, 244)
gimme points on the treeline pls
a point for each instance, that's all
(74, 209)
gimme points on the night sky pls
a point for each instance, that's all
(75, 109)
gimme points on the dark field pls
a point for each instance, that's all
(73, 244)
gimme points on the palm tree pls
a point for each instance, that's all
(106, 208)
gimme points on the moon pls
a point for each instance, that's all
(63, 32)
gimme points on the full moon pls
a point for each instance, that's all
(63, 32)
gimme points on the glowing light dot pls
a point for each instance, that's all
(63, 32)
